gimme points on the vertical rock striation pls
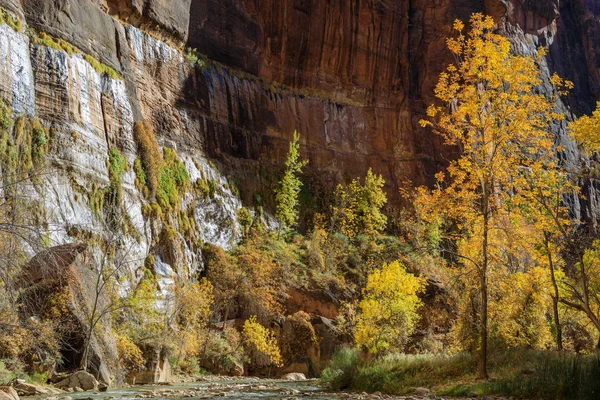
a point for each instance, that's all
(352, 76)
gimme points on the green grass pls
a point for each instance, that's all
(37, 379)
(516, 373)
(556, 376)
(342, 370)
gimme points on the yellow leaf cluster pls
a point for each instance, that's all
(388, 310)
(130, 356)
(586, 131)
(261, 343)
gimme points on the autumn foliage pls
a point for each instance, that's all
(388, 311)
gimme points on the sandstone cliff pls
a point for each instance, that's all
(354, 77)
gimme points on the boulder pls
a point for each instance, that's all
(328, 339)
(80, 379)
(300, 344)
(421, 391)
(158, 372)
(300, 367)
(237, 369)
(294, 376)
(28, 389)
(67, 267)
(8, 393)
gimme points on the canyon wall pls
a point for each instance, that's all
(352, 76)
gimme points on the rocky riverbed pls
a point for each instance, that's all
(235, 388)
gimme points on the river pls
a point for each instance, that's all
(228, 388)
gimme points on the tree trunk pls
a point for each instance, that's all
(559, 345)
(86, 349)
(225, 319)
(482, 372)
(555, 297)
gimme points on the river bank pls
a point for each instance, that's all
(237, 388)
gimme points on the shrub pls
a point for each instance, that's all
(5, 115)
(38, 140)
(150, 154)
(286, 195)
(517, 373)
(117, 164)
(556, 376)
(212, 188)
(47, 40)
(388, 310)
(102, 68)
(10, 20)
(394, 373)
(245, 219)
(23, 143)
(140, 174)
(37, 378)
(223, 351)
(260, 344)
(6, 375)
(358, 209)
(130, 356)
(190, 366)
(195, 58)
(173, 178)
(340, 372)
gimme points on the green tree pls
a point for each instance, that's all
(358, 208)
(286, 196)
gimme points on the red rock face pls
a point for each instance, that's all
(352, 76)
(334, 46)
(575, 52)
(357, 75)
(593, 6)
(360, 73)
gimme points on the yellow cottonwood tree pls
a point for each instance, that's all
(575, 287)
(261, 344)
(586, 130)
(388, 311)
(492, 114)
(193, 309)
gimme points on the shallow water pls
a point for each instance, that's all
(226, 389)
